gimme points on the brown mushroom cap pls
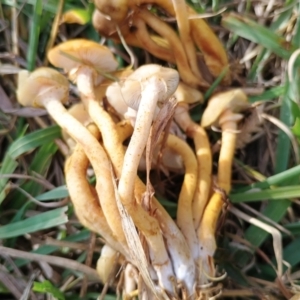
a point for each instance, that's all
(235, 100)
(32, 88)
(73, 54)
(115, 9)
(102, 24)
(131, 89)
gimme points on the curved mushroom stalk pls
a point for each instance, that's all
(186, 95)
(86, 63)
(223, 110)
(43, 88)
(205, 39)
(156, 84)
(180, 56)
(79, 113)
(84, 197)
(182, 261)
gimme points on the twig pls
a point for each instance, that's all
(54, 260)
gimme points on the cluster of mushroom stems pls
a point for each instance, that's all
(176, 260)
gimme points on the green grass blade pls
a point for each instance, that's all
(275, 210)
(257, 33)
(41, 221)
(57, 193)
(270, 194)
(20, 146)
(34, 35)
(33, 140)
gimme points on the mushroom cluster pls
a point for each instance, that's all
(138, 26)
(163, 257)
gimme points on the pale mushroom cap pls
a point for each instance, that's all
(235, 100)
(73, 54)
(187, 94)
(131, 89)
(33, 87)
(112, 91)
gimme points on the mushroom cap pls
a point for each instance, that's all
(73, 54)
(235, 100)
(102, 24)
(131, 89)
(33, 87)
(187, 94)
(115, 9)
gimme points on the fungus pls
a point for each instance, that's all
(115, 9)
(185, 95)
(84, 197)
(79, 113)
(223, 110)
(154, 85)
(180, 56)
(182, 261)
(46, 87)
(205, 39)
(181, 13)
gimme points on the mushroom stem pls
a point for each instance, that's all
(98, 159)
(147, 224)
(207, 228)
(84, 197)
(148, 43)
(204, 160)
(181, 59)
(181, 12)
(182, 261)
(184, 210)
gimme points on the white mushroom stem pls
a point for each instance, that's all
(151, 90)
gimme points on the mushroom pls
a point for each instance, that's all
(223, 110)
(213, 51)
(182, 17)
(47, 87)
(182, 261)
(85, 199)
(186, 95)
(116, 9)
(179, 53)
(86, 63)
(79, 113)
(155, 85)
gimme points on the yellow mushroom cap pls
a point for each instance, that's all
(131, 89)
(187, 94)
(73, 54)
(235, 100)
(33, 87)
